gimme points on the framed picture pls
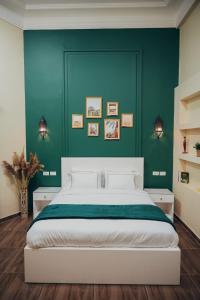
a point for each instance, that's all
(112, 108)
(184, 177)
(112, 129)
(127, 120)
(77, 121)
(93, 107)
(93, 129)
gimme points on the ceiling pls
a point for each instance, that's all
(75, 14)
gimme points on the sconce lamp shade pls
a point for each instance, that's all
(158, 127)
(43, 127)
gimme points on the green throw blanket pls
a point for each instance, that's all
(87, 211)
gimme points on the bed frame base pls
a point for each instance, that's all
(160, 266)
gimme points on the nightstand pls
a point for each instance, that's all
(163, 198)
(42, 196)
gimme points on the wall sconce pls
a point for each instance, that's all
(158, 127)
(43, 128)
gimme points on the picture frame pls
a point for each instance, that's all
(77, 120)
(93, 129)
(94, 107)
(185, 177)
(112, 108)
(127, 120)
(111, 129)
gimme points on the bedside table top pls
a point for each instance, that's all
(47, 190)
(158, 191)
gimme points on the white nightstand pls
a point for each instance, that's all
(42, 196)
(163, 198)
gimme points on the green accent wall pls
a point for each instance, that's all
(137, 67)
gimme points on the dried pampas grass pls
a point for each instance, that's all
(21, 171)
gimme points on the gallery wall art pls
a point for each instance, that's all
(94, 109)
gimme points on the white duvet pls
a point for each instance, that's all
(101, 232)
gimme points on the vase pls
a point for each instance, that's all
(198, 152)
(184, 145)
(23, 202)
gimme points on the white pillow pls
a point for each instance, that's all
(115, 171)
(84, 180)
(90, 171)
(120, 180)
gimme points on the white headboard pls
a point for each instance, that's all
(101, 163)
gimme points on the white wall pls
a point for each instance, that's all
(12, 108)
(189, 61)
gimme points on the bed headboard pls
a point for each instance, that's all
(101, 163)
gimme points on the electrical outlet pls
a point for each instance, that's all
(52, 173)
(162, 173)
(46, 173)
(155, 173)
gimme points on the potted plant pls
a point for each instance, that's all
(197, 147)
(20, 172)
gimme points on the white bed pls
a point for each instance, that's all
(102, 251)
(120, 233)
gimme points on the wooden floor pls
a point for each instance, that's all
(12, 286)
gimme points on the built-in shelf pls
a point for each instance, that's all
(190, 158)
(189, 89)
(190, 187)
(191, 125)
(191, 97)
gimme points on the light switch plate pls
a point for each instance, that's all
(162, 173)
(155, 173)
(45, 173)
(52, 173)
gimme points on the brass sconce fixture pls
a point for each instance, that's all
(43, 128)
(158, 127)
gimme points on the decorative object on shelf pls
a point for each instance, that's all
(93, 129)
(112, 108)
(158, 127)
(197, 147)
(93, 107)
(43, 128)
(184, 177)
(111, 129)
(20, 172)
(184, 145)
(77, 121)
(127, 120)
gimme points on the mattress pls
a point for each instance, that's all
(101, 232)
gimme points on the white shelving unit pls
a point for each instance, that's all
(187, 124)
(190, 158)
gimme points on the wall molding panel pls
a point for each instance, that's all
(136, 148)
